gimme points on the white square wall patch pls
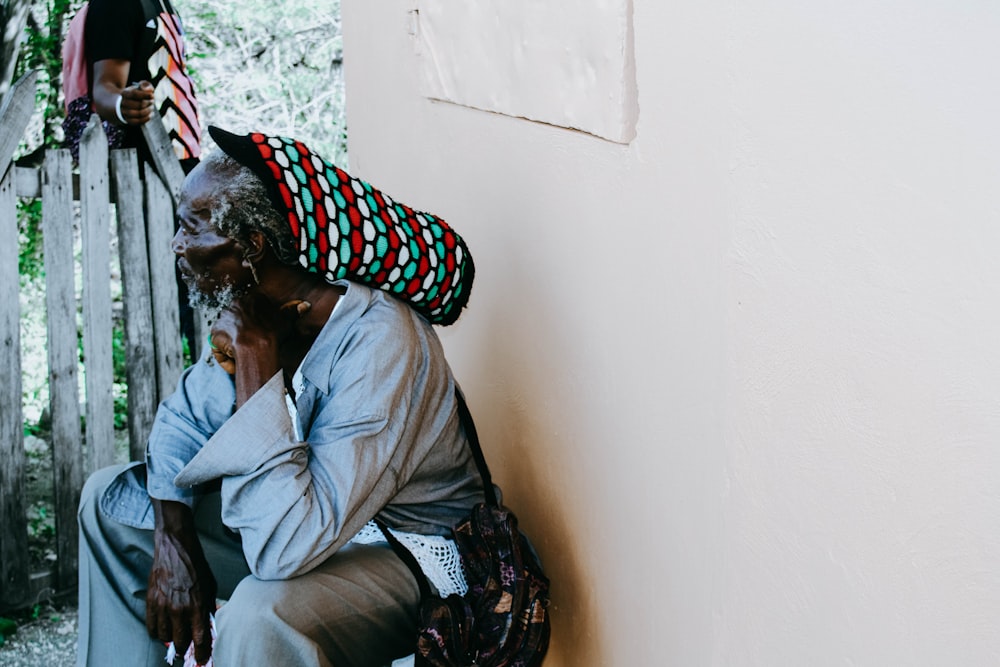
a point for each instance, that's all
(562, 62)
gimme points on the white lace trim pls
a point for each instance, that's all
(437, 556)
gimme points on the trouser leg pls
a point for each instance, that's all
(357, 609)
(115, 560)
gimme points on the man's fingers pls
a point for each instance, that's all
(152, 621)
(227, 363)
(182, 633)
(295, 306)
(139, 91)
(202, 637)
(163, 627)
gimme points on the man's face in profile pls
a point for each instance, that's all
(211, 264)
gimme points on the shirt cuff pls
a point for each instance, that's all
(247, 439)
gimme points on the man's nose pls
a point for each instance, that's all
(176, 243)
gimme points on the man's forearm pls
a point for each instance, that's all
(172, 516)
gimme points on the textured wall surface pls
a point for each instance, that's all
(546, 61)
(738, 376)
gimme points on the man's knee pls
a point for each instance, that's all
(90, 496)
(361, 604)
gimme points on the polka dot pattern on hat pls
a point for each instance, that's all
(345, 228)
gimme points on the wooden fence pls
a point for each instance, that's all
(143, 213)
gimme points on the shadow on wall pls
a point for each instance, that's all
(518, 434)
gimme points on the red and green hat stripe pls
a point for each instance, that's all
(345, 228)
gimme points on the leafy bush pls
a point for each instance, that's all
(270, 67)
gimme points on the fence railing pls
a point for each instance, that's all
(142, 210)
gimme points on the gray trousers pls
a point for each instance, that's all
(358, 608)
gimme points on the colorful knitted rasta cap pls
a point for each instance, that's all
(347, 229)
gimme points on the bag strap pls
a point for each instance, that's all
(407, 558)
(469, 427)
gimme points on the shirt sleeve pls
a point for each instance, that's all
(184, 422)
(296, 503)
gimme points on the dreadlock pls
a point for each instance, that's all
(244, 207)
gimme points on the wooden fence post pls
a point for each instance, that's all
(139, 342)
(18, 104)
(15, 112)
(64, 398)
(162, 151)
(14, 531)
(163, 283)
(95, 221)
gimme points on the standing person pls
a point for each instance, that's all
(325, 403)
(133, 61)
(135, 51)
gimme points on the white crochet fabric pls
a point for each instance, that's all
(437, 556)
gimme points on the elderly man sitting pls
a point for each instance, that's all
(323, 404)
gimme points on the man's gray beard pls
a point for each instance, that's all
(215, 301)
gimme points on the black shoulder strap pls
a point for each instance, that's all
(407, 558)
(469, 427)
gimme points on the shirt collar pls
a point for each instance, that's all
(317, 366)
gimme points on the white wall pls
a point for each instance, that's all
(738, 378)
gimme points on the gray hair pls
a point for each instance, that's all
(243, 206)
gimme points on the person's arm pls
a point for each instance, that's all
(385, 405)
(110, 83)
(181, 589)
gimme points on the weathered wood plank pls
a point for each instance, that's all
(95, 221)
(164, 158)
(13, 522)
(18, 105)
(64, 400)
(139, 343)
(163, 279)
(28, 183)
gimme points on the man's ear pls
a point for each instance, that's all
(256, 248)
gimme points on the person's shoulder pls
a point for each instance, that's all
(113, 13)
(96, 7)
(372, 317)
(373, 304)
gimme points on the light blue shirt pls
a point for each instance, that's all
(381, 437)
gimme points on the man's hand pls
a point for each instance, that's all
(182, 589)
(248, 336)
(110, 81)
(137, 103)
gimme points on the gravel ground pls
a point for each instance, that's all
(48, 641)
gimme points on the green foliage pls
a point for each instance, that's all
(270, 67)
(42, 50)
(41, 524)
(29, 228)
(8, 627)
(119, 388)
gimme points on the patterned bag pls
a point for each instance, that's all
(502, 621)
